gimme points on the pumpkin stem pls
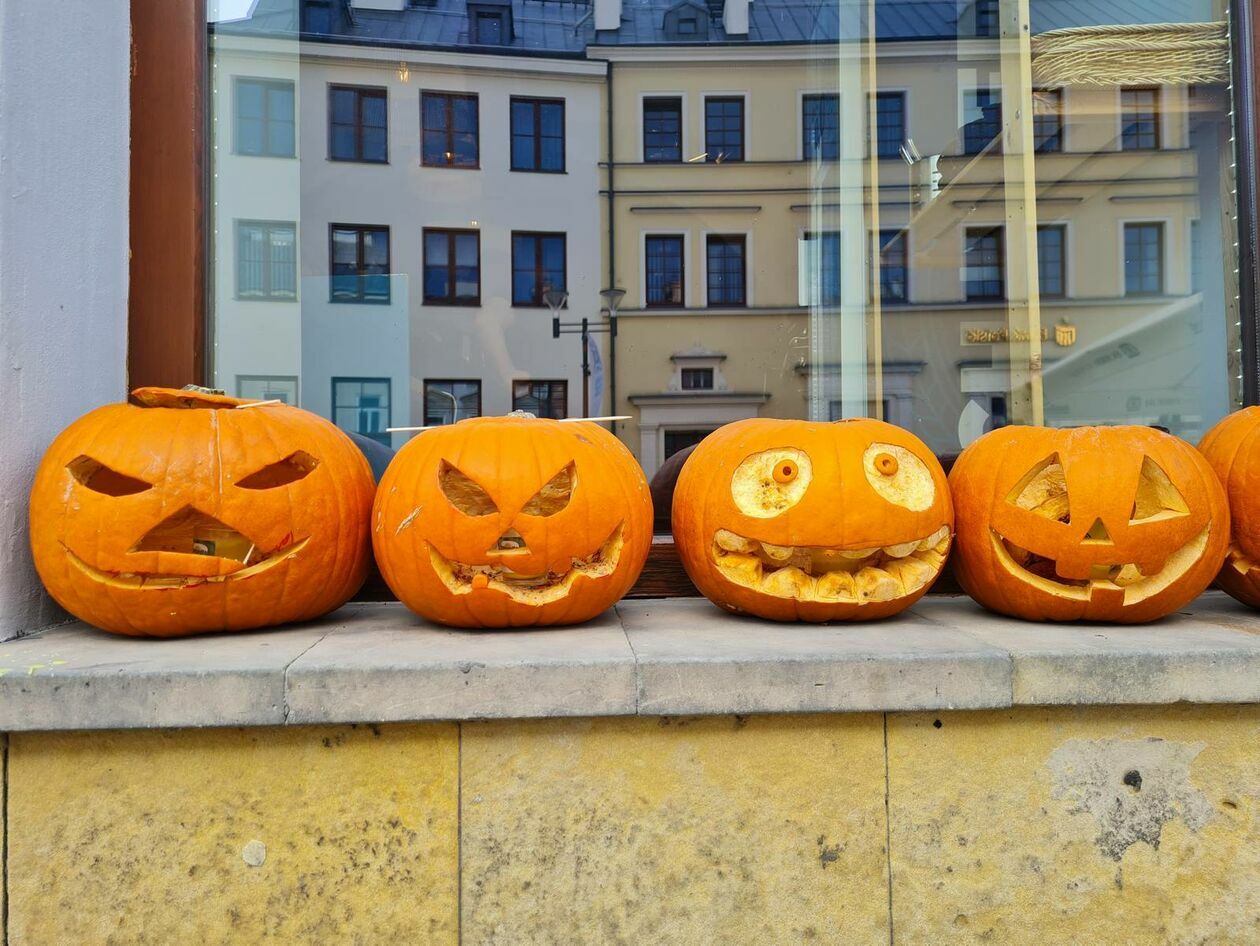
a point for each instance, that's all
(190, 396)
(524, 415)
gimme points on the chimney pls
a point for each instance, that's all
(607, 14)
(735, 17)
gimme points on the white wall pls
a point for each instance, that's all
(64, 153)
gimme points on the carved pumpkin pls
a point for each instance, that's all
(512, 521)
(1231, 448)
(793, 520)
(186, 513)
(1123, 524)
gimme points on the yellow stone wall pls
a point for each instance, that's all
(1063, 826)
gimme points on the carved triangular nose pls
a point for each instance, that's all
(1098, 533)
(510, 541)
(192, 532)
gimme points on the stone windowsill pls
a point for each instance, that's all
(373, 663)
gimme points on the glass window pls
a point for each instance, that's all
(1052, 259)
(1139, 116)
(726, 280)
(447, 402)
(986, 271)
(820, 124)
(1143, 259)
(1048, 120)
(724, 129)
(697, 379)
(537, 135)
(679, 440)
(266, 260)
(357, 121)
(538, 264)
(264, 388)
(264, 117)
(359, 263)
(490, 29)
(820, 269)
(450, 133)
(361, 406)
(890, 123)
(893, 267)
(452, 267)
(662, 130)
(541, 398)
(986, 18)
(983, 129)
(664, 270)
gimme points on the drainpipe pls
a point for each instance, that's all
(612, 249)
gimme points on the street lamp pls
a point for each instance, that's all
(555, 298)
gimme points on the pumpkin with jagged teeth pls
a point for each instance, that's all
(796, 520)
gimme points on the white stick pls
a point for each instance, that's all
(259, 403)
(563, 420)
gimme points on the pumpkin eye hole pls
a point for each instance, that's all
(1043, 491)
(1157, 497)
(463, 493)
(785, 472)
(297, 465)
(769, 483)
(886, 464)
(899, 476)
(554, 495)
(99, 478)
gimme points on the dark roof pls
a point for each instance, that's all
(554, 28)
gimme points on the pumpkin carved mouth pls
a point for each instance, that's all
(820, 573)
(259, 563)
(462, 578)
(1122, 577)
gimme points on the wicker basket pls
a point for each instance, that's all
(1156, 54)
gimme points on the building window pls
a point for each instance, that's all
(447, 402)
(676, 440)
(662, 130)
(726, 277)
(359, 263)
(697, 379)
(452, 267)
(1052, 260)
(537, 135)
(1047, 120)
(1143, 258)
(985, 127)
(890, 123)
(264, 118)
(664, 270)
(821, 269)
(357, 121)
(986, 270)
(450, 135)
(538, 264)
(361, 406)
(490, 28)
(266, 260)
(541, 398)
(893, 267)
(724, 129)
(820, 124)
(986, 18)
(1139, 116)
(258, 387)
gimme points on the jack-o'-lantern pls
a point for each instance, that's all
(1233, 449)
(512, 521)
(188, 512)
(1122, 524)
(794, 520)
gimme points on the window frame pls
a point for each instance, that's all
(644, 99)
(684, 242)
(803, 141)
(705, 372)
(449, 110)
(451, 234)
(265, 81)
(1063, 292)
(360, 229)
(726, 98)
(989, 229)
(1157, 118)
(730, 239)
(561, 382)
(991, 145)
(823, 236)
(1061, 130)
(424, 405)
(536, 102)
(904, 96)
(1164, 228)
(381, 436)
(901, 235)
(360, 93)
(539, 270)
(270, 295)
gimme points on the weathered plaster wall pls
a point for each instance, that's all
(1129, 826)
(64, 85)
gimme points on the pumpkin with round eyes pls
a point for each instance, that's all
(512, 521)
(795, 520)
(1120, 524)
(188, 512)
(1232, 449)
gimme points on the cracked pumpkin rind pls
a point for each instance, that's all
(478, 525)
(122, 491)
(1113, 524)
(1232, 447)
(745, 528)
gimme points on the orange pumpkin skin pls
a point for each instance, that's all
(142, 516)
(762, 500)
(1115, 524)
(462, 538)
(1233, 449)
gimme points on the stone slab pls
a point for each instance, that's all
(695, 658)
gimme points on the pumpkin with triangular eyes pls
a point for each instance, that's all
(189, 511)
(800, 521)
(1119, 524)
(512, 521)
(1233, 449)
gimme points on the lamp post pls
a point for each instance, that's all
(555, 300)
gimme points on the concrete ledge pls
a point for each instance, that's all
(379, 663)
